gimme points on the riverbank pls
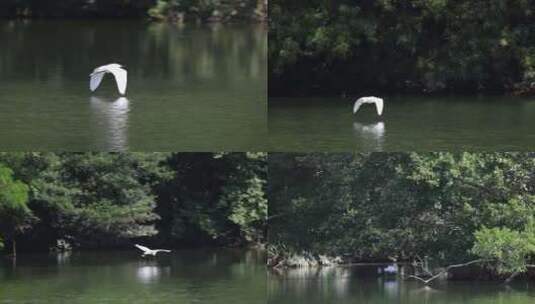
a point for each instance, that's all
(218, 11)
(443, 214)
(195, 11)
(406, 270)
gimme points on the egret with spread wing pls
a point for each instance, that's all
(370, 99)
(148, 251)
(118, 72)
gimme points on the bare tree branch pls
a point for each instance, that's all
(446, 270)
(511, 277)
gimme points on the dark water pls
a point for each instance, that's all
(407, 124)
(192, 88)
(365, 285)
(199, 276)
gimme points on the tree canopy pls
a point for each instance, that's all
(345, 46)
(103, 200)
(14, 212)
(451, 207)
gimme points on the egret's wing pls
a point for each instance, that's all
(95, 80)
(162, 250)
(357, 105)
(379, 106)
(121, 79)
(142, 248)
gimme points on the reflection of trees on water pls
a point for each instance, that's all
(365, 284)
(157, 51)
(302, 280)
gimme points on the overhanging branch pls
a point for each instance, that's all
(444, 271)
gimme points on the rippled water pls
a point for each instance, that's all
(407, 124)
(190, 88)
(364, 284)
(194, 276)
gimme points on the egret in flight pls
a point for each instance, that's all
(148, 251)
(370, 99)
(118, 72)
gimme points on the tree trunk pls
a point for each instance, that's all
(14, 249)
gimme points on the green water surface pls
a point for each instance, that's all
(184, 276)
(190, 88)
(455, 123)
(364, 284)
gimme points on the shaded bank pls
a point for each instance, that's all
(74, 8)
(364, 47)
(437, 211)
(173, 10)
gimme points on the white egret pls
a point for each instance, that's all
(148, 251)
(391, 269)
(370, 99)
(118, 72)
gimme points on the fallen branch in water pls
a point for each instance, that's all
(515, 274)
(511, 277)
(444, 271)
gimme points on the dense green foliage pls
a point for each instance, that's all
(15, 215)
(199, 10)
(451, 207)
(362, 47)
(214, 197)
(209, 10)
(96, 200)
(508, 248)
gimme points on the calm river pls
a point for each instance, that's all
(363, 284)
(407, 124)
(196, 276)
(191, 88)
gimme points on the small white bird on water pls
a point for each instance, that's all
(148, 251)
(370, 99)
(118, 72)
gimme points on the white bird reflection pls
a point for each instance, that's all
(391, 288)
(151, 273)
(371, 135)
(425, 290)
(113, 117)
(63, 258)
